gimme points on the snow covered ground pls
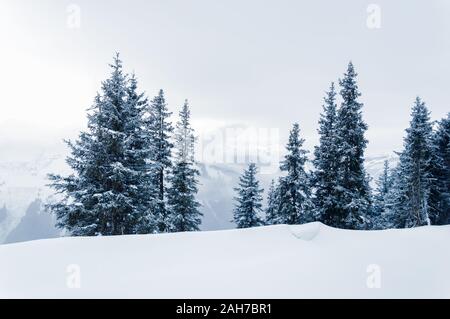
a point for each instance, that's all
(306, 261)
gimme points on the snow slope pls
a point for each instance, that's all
(269, 262)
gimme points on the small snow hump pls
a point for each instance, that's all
(306, 232)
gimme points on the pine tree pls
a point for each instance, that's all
(440, 196)
(249, 200)
(391, 218)
(415, 182)
(326, 160)
(295, 202)
(272, 211)
(184, 208)
(137, 154)
(108, 160)
(380, 206)
(353, 182)
(159, 131)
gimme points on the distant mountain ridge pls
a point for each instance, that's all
(36, 224)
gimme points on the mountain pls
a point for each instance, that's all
(22, 183)
(304, 261)
(36, 224)
(374, 164)
(3, 214)
(216, 193)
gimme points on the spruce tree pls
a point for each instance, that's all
(272, 211)
(295, 201)
(380, 206)
(138, 153)
(102, 197)
(415, 180)
(183, 207)
(440, 196)
(391, 218)
(353, 182)
(249, 200)
(326, 161)
(159, 130)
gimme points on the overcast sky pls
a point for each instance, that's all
(260, 63)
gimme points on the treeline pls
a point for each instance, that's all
(134, 173)
(337, 192)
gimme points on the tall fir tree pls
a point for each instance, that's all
(102, 197)
(441, 173)
(391, 218)
(249, 200)
(295, 201)
(159, 130)
(380, 200)
(137, 154)
(415, 180)
(353, 182)
(326, 161)
(272, 213)
(183, 206)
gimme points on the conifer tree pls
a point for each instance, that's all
(183, 207)
(441, 173)
(353, 182)
(391, 218)
(380, 207)
(272, 212)
(326, 161)
(295, 201)
(102, 196)
(159, 130)
(248, 200)
(415, 180)
(137, 153)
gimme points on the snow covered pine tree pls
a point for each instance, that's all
(414, 177)
(380, 206)
(184, 211)
(249, 200)
(105, 195)
(441, 173)
(272, 216)
(353, 182)
(159, 131)
(138, 153)
(295, 199)
(326, 161)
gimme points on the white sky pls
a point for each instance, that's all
(262, 63)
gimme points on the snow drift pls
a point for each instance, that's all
(306, 261)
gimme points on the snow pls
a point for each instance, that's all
(305, 261)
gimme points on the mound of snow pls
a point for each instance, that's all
(306, 261)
